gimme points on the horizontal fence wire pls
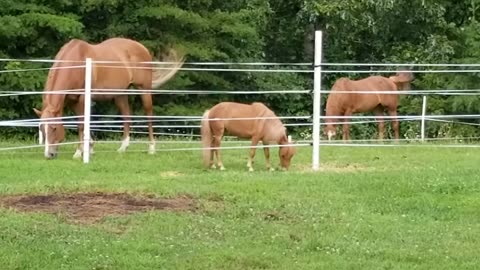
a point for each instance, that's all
(46, 60)
(364, 119)
(35, 146)
(150, 91)
(353, 143)
(444, 92)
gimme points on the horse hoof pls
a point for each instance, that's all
(77, 155)
(271, 169)
(222, 168)
(121, 150)
(250, 169)
(151, 149)
(213, 167)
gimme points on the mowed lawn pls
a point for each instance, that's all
(367, 208)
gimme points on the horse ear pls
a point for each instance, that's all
(37, 112)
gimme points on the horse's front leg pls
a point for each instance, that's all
(79, 151)
(381, 124)
(124, 108)
(148, 107)
(252, 153)
(346, 130)
(395, 124)
(78, 109)
(266, 151)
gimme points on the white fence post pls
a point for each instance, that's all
(87, 111)
(424, 110)
(317, 84)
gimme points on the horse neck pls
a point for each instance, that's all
(55, 102)
(277, 130)
(332, 109)
(62, 78)
(282, 140)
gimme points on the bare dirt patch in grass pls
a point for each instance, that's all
(88, 208)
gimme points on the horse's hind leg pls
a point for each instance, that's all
(381, 124)
(124, 108)
(217, 140)
(251, 156)
(148, 107)
(395, 124)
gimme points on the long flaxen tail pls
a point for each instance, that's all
(166, 72)
(206, 138)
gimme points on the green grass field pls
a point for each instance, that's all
(367, 208)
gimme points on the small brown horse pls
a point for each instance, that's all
(125, 70)
(346, 104)
(239, 120)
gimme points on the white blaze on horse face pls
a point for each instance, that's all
(47, 146)
(40, 134)
(289, 138)
(330, 135)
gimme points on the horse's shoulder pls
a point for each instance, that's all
(342, 80)
(341, 83)
(259, 106)
(257, 103)
(382, 82)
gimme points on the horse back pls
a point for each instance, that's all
(243, 128)
(123, 49)
(362, 101)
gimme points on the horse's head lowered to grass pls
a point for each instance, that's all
(253, 121)
(286, 152)
(127, 63)
(51, 131)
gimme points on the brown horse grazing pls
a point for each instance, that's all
(346, 104)
(125, 72)
(238, 120)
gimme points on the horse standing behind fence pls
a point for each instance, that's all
(239, 120)
(128, 68)
(346, 104)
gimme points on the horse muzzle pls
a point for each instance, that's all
(330, 135)
(51, 155)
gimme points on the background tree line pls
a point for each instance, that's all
(357, 31)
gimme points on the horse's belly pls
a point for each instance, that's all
(365, 103)
(241, 129)
(102, 97)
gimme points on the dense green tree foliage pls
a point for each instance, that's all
(356, 31)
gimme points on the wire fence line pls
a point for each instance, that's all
(447, 92)
(300, 143)
(162, 149)
(149, 91)
(98, 125)
(359, 119)
(353, 64)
